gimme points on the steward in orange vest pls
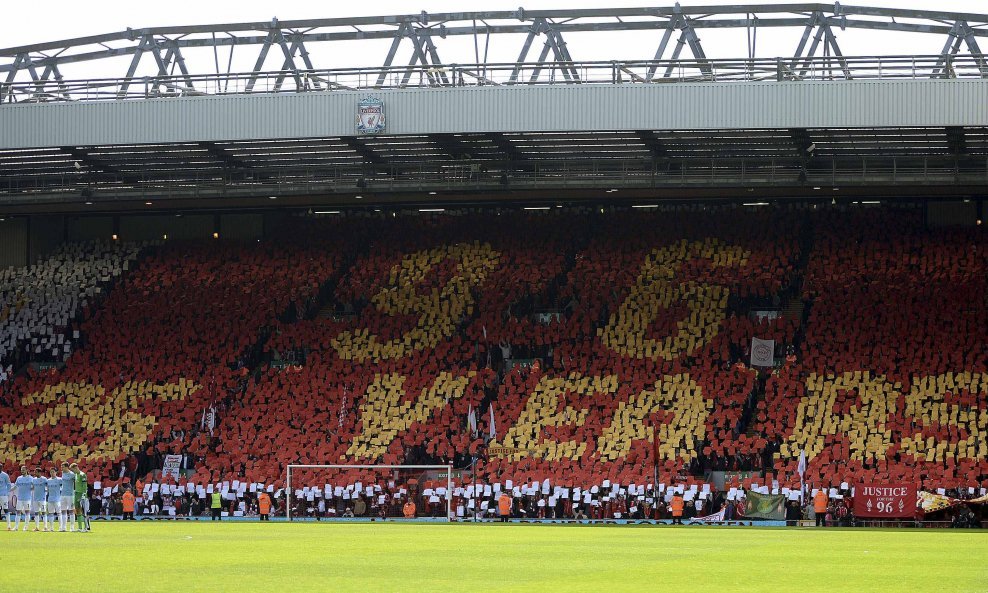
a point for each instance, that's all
(128, 505)
(504, 506)
(820, 507)
(264, 506)
(677, 509)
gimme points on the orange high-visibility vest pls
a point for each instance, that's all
(820, 501)
(264, 503)
(504, 504)
(677, 506)
(128, 502)
(409, 510)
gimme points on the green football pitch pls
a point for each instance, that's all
(381, 558)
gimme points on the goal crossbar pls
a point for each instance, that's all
(289, 492)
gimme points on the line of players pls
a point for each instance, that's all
(63, 498)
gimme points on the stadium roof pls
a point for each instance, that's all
(183, 55)
(519, 166)
(175, 127)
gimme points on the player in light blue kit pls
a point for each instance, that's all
(5, 488)
(67, 502)
(52, 499)
(38, 497)
(23, 487)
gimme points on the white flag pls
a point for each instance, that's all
(493, 430)
(472, 421)
(801, 468)
(208, 421)
(342, 408)
(762, 352)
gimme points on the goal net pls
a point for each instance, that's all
(368, 492)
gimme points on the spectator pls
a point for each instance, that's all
(793, 513)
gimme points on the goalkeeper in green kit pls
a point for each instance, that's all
(81, 498)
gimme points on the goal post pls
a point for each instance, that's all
(394, 484)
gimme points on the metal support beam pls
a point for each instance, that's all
(972, 43)
(694, 42)
(289, 65)
(961, 33)
(555, 44)
(261, 57)
(389, 60)
(561, 51)
(660, 52)
(166, 67)
(832, 42)
(817, 38)
(134, 63)
(425, 56)
(176, 69)
(967, 34)
(534, 30)
(680, 44)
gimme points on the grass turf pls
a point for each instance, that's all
(380, 558)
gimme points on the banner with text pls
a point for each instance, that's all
(881, 501)
(172, 466)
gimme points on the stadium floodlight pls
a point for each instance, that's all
(411, 471)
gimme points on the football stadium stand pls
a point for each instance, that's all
(566, 354)
(39, 303)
